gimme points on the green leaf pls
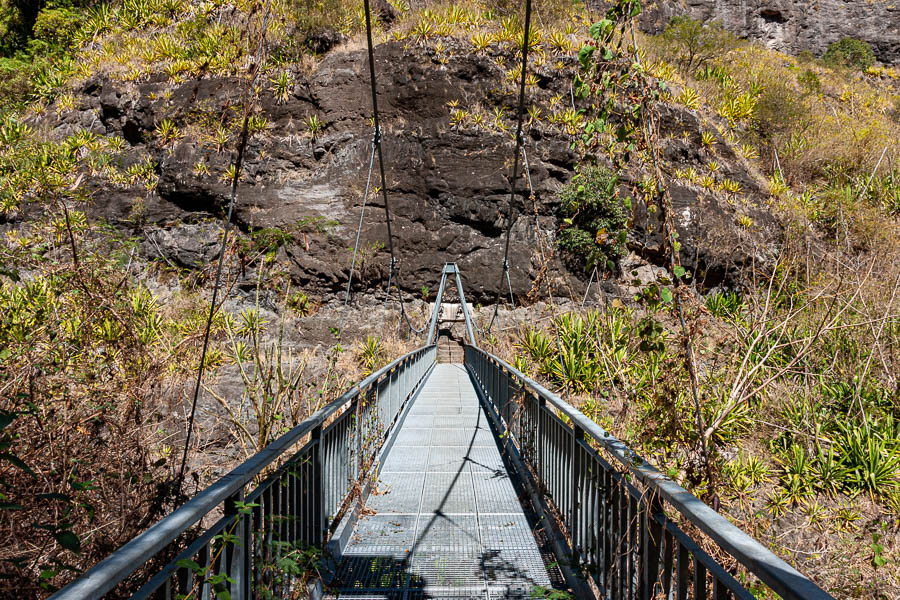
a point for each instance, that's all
(15, 460)
(600, 29)
(6, 417)
(11, 506)
(189, 564)
(879, 561)
(68, 540)
(679, 271)
(83, 485)
(635, 8)
(584, 55)
(223, 594)
(55, 496)
(665, 295)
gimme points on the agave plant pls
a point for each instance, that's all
(167, 132)
(458, 117)
(872, 462)
(369, 354)
(728, 305)
(256, 123)
(537, 345)
(730, 186)
(481, 41)
(230, 174)
(777, 186)
(221, 137)
(166, 46)
(560, 42)
(736, 108)
(797, 475)
(282, 85)
(689, 97)
(423, 31)
(314, 125)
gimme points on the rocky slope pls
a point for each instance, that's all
(792, 27)
(448, 184)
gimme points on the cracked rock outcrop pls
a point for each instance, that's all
(448, 184)
(792, 27)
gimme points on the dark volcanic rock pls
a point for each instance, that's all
(188, 246)
(448, 186)
(794, 26)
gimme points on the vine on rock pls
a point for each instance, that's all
(622, 123)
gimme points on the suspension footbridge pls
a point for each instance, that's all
(444, 480)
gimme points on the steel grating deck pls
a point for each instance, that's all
(446, 521)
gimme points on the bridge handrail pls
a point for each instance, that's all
(115, 568)
(775, 572)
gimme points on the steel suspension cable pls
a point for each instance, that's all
(387, 210)
(526, 43)
(238, 163)
(356, 244)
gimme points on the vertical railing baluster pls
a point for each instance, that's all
(294, 514)
(720, 592)
(237, 565)
(623, 539)
(668, 563)
(682, 574)
(574, 475)
(634, 522)
(183, 577)
(318, 488)
(541, 442)
(309, 513)
(592, 523)
(604, 534)
(201, 585)
(699, 579)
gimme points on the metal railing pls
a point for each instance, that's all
(618, 533)
(294, 507)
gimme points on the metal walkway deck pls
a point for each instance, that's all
(446, 521)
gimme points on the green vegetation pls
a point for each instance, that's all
(698, 42)
(370, 353)
(594, 219)
(851, 53)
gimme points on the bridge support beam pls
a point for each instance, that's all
(450, 269)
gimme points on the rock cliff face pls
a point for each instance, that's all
(792, 27)
(448, 185)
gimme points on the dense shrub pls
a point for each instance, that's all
(809, 82)
(55, 29)
(34, 38)
(779, 111)
(594, 219)
(849, 52)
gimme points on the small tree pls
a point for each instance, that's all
(851, 53)
(699, 42)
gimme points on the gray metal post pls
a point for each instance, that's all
(437, 308)
(238, 562)
(318, 487)
(652, 546)
(462, 298)
(574, 530)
